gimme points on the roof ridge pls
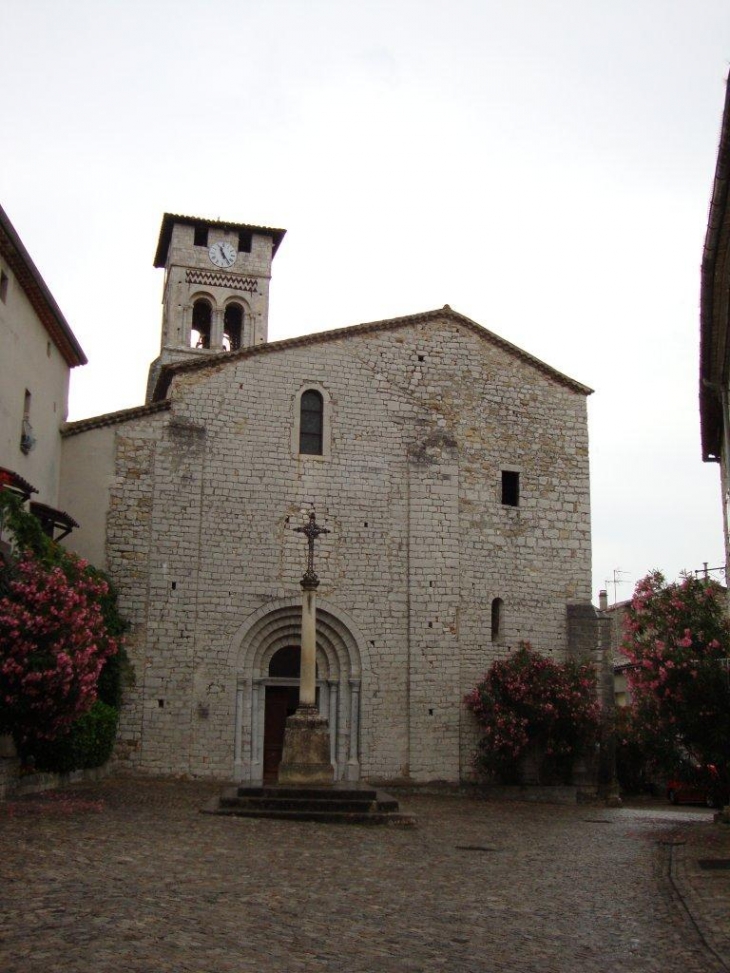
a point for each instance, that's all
(112, 418)
(169, 370)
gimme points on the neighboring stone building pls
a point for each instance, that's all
(450, 466)
(615, 619)
(38, 351)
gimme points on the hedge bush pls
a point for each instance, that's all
(89, 742)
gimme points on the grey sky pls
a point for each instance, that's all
(545, 167)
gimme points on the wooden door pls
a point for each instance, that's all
(281, 701)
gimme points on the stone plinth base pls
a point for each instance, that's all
(306, 756)
(336, 804)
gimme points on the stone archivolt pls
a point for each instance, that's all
(339, 671)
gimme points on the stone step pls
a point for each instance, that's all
(322, 817)
(299, 804)
(340, 803)
(309, 793)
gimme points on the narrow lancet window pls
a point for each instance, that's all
(311, 423)
(497, 619)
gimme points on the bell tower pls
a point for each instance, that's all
(216, 291)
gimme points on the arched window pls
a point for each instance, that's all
(311, 422)
(232, 327)
(200, 332)
(497, 619)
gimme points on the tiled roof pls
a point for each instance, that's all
(217, 361)
(51, 515)
(170, 219)
(38, 294)
(15, 482)
(112, 418)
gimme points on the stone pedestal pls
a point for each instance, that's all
(306, 756)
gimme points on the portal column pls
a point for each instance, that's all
(353, 762)
(332, 717)
(258, 702)
(238, 746)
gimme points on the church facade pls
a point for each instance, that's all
(450, 467)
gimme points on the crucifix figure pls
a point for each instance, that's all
(306, 758)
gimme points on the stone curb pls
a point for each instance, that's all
(19, 785)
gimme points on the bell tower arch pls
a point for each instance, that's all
(216, 291)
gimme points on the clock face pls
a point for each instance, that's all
(222, 254)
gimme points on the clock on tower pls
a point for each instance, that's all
(216, 292)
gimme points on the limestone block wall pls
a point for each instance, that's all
(423, 419)
(190, 275)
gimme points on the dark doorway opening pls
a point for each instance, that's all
(281, 701)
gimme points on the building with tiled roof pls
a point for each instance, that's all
(451, 471)
(715, 324)
(39, 350)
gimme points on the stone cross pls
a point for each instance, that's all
(306, 755)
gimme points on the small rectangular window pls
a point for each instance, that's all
(510, 488)
(200, 238)
(3, 286)
(244, 241)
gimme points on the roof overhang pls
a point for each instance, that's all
(37, 292)
(714, 318)
(170, 219)
(112, 418)
(57, 524)
(10, 480)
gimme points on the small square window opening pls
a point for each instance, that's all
(510, 488)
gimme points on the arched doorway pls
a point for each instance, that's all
(266, 658)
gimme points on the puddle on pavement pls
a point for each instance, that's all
(476, 848)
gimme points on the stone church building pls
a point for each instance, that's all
(450, 467)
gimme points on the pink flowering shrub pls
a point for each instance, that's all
(528, 703)
(53, 646)
(677, 639)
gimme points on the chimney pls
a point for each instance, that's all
(603, 599)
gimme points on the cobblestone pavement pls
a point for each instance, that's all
(128, 876)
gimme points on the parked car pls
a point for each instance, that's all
(701, 786)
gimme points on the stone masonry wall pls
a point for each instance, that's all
(423, 420)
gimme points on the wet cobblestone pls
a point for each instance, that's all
(127, 875)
